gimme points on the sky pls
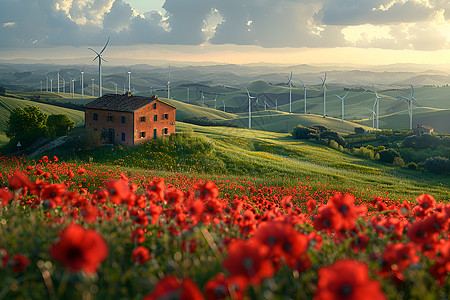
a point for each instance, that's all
(368, 32)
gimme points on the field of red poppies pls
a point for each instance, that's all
(72, 231)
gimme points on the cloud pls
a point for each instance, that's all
(411, 24)
(357, 12)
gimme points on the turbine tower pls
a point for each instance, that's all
(100, 58)
(215, 102)
(129, 77)
(324, 89)
(290, 91)
(188, 94)
(250, 109)
(82, 80)
(373, 118)
(377, 103)
(168, 87)
(115, 84)
(410, 110)
(342, 100)
(223, 105)
(203, 100)
(58, 80)
(304, 94)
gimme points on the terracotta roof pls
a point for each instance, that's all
(123, 102)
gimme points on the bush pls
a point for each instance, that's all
(422, 141)
(438, 164)
(359, 130)
(59, 125)
(27, 124)
(86, 140)
(331, 135)
(203, 121)
(398, 161)
(303, 133)
(412, 166)
(388, 155)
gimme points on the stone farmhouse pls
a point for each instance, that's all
(130, 120)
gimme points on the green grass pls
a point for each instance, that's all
(273, 159)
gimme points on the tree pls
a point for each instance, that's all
(59, 125)
(27, 123)
(388, 155)
(303, 133)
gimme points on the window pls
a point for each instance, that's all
(109, 118)
(154, 133)
(95, 116)
(166, 116)
(123, 136)
(154, 105)
(155, 118)
(142, 119)
(165, 131)
(142, 134)
(122, 119)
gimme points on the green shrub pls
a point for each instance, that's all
(423, 141)
(440, 165)
(359, 130)
(398, 161)
(412, 166)
(332, 135)
(303, 133)
(86, 140)
(388, 155)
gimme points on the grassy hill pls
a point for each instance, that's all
(7, 104)
(268, 158)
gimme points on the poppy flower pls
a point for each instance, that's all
(426, 204)
(155, 189)
(248, 259)
(53, 194)
(220, 286)
(119, 191)
(80, 249)
(18, 180)
(138, 235)
(5, 196)
(207, 191)
(170, 288)
(347, 279)
(140, 255)
(18, 263)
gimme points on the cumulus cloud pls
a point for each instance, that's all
(267, 23)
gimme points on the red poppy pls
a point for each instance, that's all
(221, 287)
(426, 204)
(19, 262)
(328, 219)
(248, 259)
(396, 258)
(207, 190)
(173, 196)
(119, 191)
(5, 196)
(138, 235)
(310, 205)
(347, 279)
(53, 193)
(140, 255)
(170, 288)
(18, 180)
(80, 249)
(155, 189)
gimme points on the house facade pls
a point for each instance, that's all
(130, 120)
(423, 129)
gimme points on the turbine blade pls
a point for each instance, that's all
(412, 91)
(248, 93)
(94, 51)
(107, 42)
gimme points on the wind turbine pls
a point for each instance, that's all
(58, 80)
(203, 100)
(100, 58)
(215, 102)
(168, 87)
(377, 103)
(115, 84)
(46, 83)
(276, 104)
(250, 109)
(188, 94)
(290, 92)
(129, 78)
(265, 105)
(82, 80)
(51, 84)
(324, 89)
(373, 117)
(223, 105)
(304, 94)
(409, 101)
(342, 99)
